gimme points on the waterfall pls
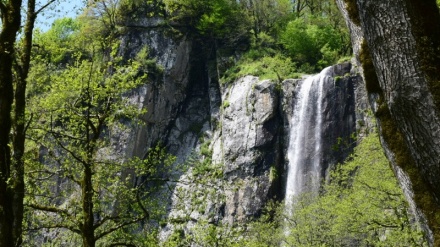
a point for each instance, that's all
(305, 144)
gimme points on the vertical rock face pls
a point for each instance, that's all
(233, 138)
(401, 66)
(176, 99)
(250, 146)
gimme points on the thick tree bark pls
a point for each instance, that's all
(10, 215)
(400, 56)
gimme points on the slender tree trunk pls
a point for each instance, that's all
(20, 121)
(400, 56)
(88, 231)
(298, 7)
(10, 216)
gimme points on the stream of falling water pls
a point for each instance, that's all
(305, 144)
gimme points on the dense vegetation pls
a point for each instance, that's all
(278, 39)
(77, 108)
(361, 204)
(68, 85)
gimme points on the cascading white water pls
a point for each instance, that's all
(304, 152)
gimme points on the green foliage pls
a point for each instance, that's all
(213, 19)
(57, 45)
(313, 41)
(225, 104)
(131, 10)
(287, 41)
(361, 205)
(273, 173)
(77, 109)
(284, 43)
(266, 15)
(218, 19)
(210, 235)
(74, 121)
(266, 67)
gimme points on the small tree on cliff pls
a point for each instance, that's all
(79, 186)
(79, 182)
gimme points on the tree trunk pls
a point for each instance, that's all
(19, 122)
(10, 214)
(88, 231)
(400, 56)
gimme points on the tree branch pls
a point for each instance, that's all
(388, 193)
(122, 244)
(43, 7)
(383, 225)
(53, 133)
(28, 123)
(49, 209)
(119, 226)
(71, 153)
(71, 228)
(139, 201)
(144, 216)
(105, 219)
(2, 8)
(58, 211)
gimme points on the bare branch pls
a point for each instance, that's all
(119, 226)
(43, 7)
(28, 123)
(103, 220)
(56, 210)
(49, 209)
(71, 153)
(53, 133)
(384, 224)
(55, 226)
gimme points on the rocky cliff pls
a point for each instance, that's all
(232, 138)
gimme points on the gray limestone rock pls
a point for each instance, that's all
(233, 139)
(250, 145)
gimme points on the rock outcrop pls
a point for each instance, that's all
(250, 148)
(232, 138)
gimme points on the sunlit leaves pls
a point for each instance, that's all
(58, 43)
(314, 42)
(77, 109)
(361, 205)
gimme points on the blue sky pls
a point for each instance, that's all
(63, 8)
